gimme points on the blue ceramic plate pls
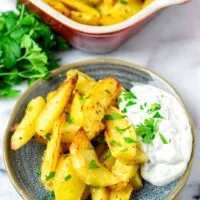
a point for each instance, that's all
(22, 164)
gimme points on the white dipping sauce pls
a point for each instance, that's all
(167, 162)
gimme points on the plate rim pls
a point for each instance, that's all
(108, 61)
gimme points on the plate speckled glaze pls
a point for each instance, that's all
(22, 164)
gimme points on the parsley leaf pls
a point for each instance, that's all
(26, 49)
(115, 143)
(69, 119)
(158, 115)
(113, 116)
(48, 136)
(68, 177)
(164, 140)
(130, 103)
(123, 1)
(129, 140)
(154, 107)
(50, 176)
(108, 155)
(93, 165)
(124, 150)
(128, 95)
(147, 130)
(121, 130)
(38, 173)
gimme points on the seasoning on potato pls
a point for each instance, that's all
(99, 12)
(91, 148)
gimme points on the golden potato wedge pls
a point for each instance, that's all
(26, 129)
(101, 193)
(80, 6)
(51, 154)
(122, 194)
(84, 83)
(76, 112)
(107, 159)
(136, 181)
(55, 107)
(50, 95)
(67, 185)
(68, 132)
(120, 135)
(58, 6)
(85, 18)
(124, 171)
(99, 99)
(86, 163)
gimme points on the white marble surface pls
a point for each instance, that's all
(170, 45)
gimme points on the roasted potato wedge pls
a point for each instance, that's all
(122, 194)
(76, 112)
(58, 6)
(68, 132)
(136, 181)
(50, 95)
(85, 18)
(120, 135)
(107, 159)
(80, 6)
(67, 185)
(87, 166)
(99, 99)
(84, 83)
(124, 171)
(101, 193)
(55, 107)
(26, 129)
(51, 154)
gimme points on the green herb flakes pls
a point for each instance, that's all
(68, 177)
(115, 143)
(113, 116)
(93, 165)
(108, 155)
(121, 130)
(164, 140)
(48, 136)
(50, 176)
(154, 107)
(38, 173)
(129, 140)
(108, 91)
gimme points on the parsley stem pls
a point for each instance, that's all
(18, 22)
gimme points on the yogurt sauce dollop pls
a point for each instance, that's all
(168, 157)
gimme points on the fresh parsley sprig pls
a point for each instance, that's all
(26, 50)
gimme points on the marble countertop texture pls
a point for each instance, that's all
(169, 45)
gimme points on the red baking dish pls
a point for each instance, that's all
(98, 39)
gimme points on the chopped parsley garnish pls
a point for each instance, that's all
(113, 116)
(48, 136)
(128, 95)
(164, 140)
(121, 130)
(129, 140)
(145, 104)
(115, 143)
(123, 1)
(69, 119)
(68, 177)
(83, 98)
(124, 110)
(154, 107)
(147, 130)
(38, 173)
(50, 176)
(130, 103)
(108, 155)
(141, 107)
(158, 116)
(124, 150)
(93, 165)
(108, 91)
